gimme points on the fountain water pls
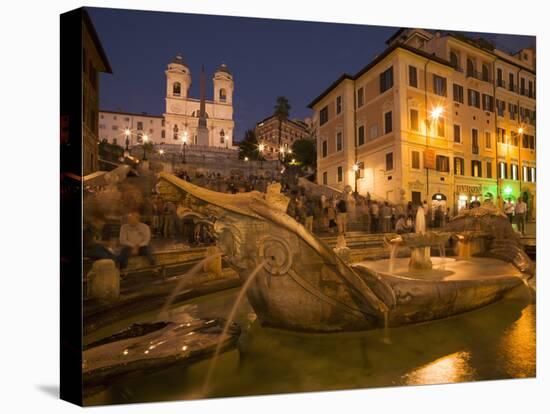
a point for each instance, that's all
(228, 323)
(420, 222)
(393, 254)
(386, 339)
(442, 256)
(193, 271)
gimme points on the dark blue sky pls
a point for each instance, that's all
(267, 58)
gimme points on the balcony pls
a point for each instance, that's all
(479, 76)
(501, 83)
(475, 149)
(513, 88)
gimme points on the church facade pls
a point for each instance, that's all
(183, 123)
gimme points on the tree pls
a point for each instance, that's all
(304, 152)
(281, 112)
(248, 147)
(110, 152)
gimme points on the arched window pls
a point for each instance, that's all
(175, 132)
(222, 136)
(223, 95)
(454, 60)
(470, 68)
(176, 89)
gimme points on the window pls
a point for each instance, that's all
(223, 95)
(413, 77)
(386, 80)
(459, 166)
(532, 170)
(114, 128)
(488, 140)
(325, 148)
(440, 85)
(140, 126)
(440, 127)
(458, 93)
(501, 105)
(475, 141)
(488, 103)
(388, 127)
(473, 98)
(470, 67)
(455, 60)
(222, 136)
(373, 132)
(489, 169)
(500, 81)
(514, 138)
(511, 85)
(485, 72)
(501, 135)
(442, 163)
(361, 135)
(502, 170)
(323, 116)
(415, 159)
(416, 197)
(389, 161)
(338, 105)
(414, 119)
(528, 141)
(338, 141)
(531, 92)
(456, 134)
(360, 97)
(513, 110)
(325, 178)
(525, 173)
(163, 134)
(514, 171)
(340, 174)
(476, 168)
(175, 132)
(522, 86)
(176, 89)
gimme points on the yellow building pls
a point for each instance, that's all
(432, 118)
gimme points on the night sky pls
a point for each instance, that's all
(267, 58)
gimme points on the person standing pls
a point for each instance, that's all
(342, 216)
(509, 210)
(521, 211)
(427, 215)
(386, 214)
(375, 213)
(134, 238)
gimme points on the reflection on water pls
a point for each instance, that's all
(491, 343)
(451, 368)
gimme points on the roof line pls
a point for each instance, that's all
(97, 42)
(373, 63)
(130, 113)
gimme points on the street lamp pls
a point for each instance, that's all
(183, 145)
(145, 139)
(261, 148)
(436, 112)
(355, 169)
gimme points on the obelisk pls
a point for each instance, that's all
(202, 130)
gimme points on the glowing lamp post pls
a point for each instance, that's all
(355, 169)
(261, 148)
(127, 149)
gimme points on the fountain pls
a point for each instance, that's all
(303, 285)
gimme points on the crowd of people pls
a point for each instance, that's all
(516, 213)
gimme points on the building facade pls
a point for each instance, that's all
(116, 127)
(437, 117)
(94, 60)
(182, 112)
(267, 133)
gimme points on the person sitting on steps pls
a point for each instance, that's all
(135, 237)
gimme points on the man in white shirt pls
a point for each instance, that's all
(134, 238)
(521, 211)
(509, 210)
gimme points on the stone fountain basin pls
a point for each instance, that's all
(427, 239)
(451, 287)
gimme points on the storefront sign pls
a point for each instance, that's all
(468, 189)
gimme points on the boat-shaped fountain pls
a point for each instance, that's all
(304, 285)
